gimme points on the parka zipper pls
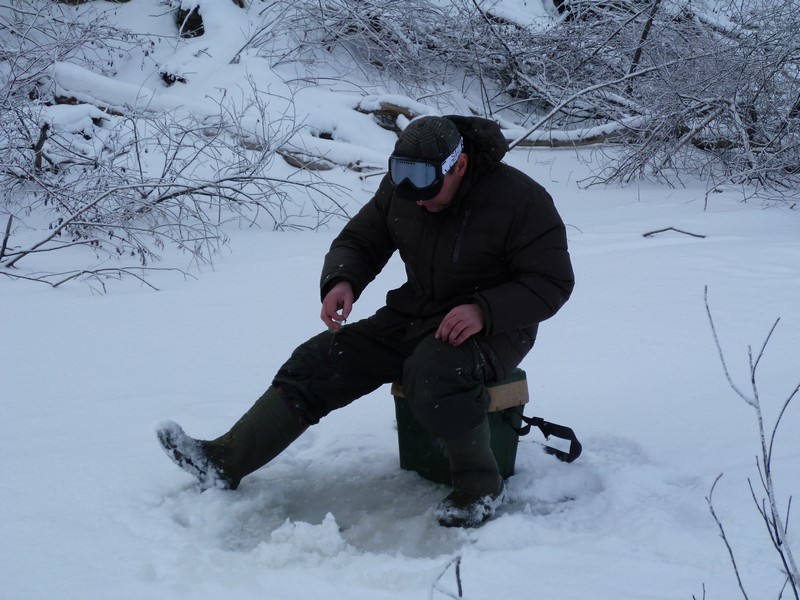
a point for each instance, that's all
(460, 236)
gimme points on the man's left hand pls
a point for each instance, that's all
(460, 323)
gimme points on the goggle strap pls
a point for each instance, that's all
(451, 160)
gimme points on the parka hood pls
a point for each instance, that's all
(483, 143)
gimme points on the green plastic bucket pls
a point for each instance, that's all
(422, 452)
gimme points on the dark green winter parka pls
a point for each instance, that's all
(500, 244)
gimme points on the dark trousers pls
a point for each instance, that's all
(444, 385)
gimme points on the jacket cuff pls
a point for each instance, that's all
(487, 313)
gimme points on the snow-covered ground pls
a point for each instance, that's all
(91, 508)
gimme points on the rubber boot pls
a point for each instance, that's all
(477, 485)
(256, 438)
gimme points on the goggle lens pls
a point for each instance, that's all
(419, 174)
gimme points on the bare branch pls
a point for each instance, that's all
(733, 386)
(709, 501)
(768, 507)
(6, 235)
(657, 231)
(436, 587)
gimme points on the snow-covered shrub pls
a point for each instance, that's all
(85, 162)
(708, 88)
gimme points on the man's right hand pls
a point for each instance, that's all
(336, 305)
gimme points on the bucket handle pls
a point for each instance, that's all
(552, 429)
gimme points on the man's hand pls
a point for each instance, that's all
(460, 323)
(337, 305)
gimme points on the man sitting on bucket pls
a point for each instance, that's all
(485, 252)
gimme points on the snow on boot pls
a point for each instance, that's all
(256, 438)
(477, 485)
(196, 457)
(464, 509)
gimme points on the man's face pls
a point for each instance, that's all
(449, 189)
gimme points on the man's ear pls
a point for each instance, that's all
(461, 164)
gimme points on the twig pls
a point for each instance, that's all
(657, 231)
(458, 577)
(437, 588)
(704, 594)
(98, 274)
(38, 149)
(773, 530)
(780, 416)
(749, 401)
(6, 236)
(637, 56)
(724, 536)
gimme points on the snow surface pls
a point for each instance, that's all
(91, 508)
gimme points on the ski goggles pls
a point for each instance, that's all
(419, 172)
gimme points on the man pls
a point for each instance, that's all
(486, 257)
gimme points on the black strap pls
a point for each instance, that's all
(552, 429)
